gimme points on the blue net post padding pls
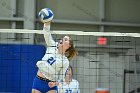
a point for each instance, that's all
(18, 66)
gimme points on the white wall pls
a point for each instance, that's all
(86, 72)
(111, 72)
(5, 8)
(133, 80)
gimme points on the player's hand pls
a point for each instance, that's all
(47, 23)
(52, 84)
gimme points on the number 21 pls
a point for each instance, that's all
(51, 60)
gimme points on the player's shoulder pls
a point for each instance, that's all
(75, 81)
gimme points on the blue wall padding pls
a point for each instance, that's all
(18, 66)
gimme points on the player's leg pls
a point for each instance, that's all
(39, 85)
(53, 89)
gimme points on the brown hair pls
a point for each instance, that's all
(70, 67)
(71, 52)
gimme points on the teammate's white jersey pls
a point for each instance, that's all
(53, 65)
(72, 87)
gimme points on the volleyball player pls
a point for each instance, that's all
(70, 85)
(54, 64)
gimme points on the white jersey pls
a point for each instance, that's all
(53, 65)
(72, 87)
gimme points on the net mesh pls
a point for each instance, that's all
(114, 65)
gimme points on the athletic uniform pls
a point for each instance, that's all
(53, 65)
(72, 87)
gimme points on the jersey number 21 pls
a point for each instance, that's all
(51, 60)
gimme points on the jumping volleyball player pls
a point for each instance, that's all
(55, 63)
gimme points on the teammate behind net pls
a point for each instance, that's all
(70, 85)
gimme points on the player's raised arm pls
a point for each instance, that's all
(46, 16)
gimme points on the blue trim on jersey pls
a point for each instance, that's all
(66, 71)
(42, 85)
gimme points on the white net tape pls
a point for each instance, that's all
(71, 32)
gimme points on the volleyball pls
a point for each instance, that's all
(45, 15)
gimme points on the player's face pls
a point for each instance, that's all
(69, 72)
(64, 43)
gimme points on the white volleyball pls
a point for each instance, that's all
(46, 15)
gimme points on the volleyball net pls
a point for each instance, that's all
(105, 59)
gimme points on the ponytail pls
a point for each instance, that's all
(71, 52)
